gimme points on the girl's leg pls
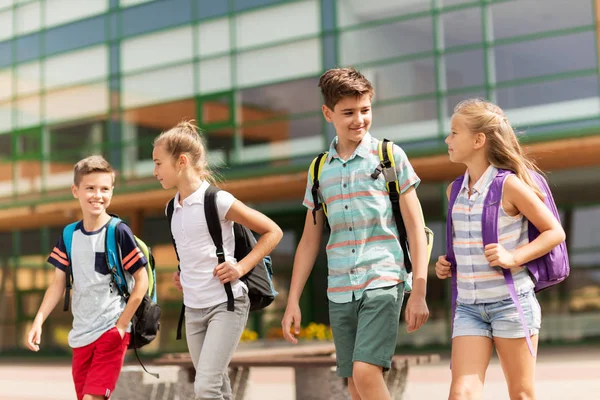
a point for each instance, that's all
(195, 331)
(222, 337)
(518, 365)
(470, 359)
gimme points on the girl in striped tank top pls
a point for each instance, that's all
(485, 316)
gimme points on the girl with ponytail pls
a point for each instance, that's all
(485, 315)
(212, 331)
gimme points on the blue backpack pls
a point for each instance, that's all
(546, 271)
(145, 324)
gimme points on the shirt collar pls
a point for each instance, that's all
(363, 149)
(483, 183)
(195, 198)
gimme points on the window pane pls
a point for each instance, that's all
(386, 41)
(284, 137)
(279, 63)
(58, 12)
(70, 143)
(155, 49)
(6, 24)
(5, 3)
(514, 18)
(158, 86)
(28, 47)
(539, 57)
(403, 79)
(447, 3)
(5, 54)
(28, 18)
(462, 27)
(5, 153)
(213, 37)
(214, 75)
(77, 102)
(211, 8)
(28, 112)
(28, 78)
(76, 67)
(241, 5)
(5, 117)
(354, 12)
(75, 35)
(464, 69)
(276, 24)
(405, 121)
(276, 99)
(6, 84)
(560, 95)
(155, 16)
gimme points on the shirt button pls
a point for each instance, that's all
(353, 250)
(345, 185)
(350, 229)
(344, 165)
(346, 207)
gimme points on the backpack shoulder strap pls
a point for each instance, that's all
(491, 205)
(454, 190)
(388, 166)
(112, 253)
(214, 228)
(67, 237)
(316, 167)
(170, 211)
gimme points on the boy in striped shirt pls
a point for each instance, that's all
(365, 259)
(101, 317)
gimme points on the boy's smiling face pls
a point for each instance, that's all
(94, 193)
(351, 117)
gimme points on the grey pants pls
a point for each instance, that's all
(213, 334)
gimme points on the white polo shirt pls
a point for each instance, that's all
(197, 251)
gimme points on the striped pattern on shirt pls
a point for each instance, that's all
(363, 251)
(477, 281)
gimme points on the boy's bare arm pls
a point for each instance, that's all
(135, 298)
(304, 260)
(54, 293)
(417, 312)
(306, 254)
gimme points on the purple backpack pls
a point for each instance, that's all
(546, 271)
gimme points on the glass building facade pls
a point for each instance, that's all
(107, 76)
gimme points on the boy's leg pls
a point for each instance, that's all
(106, 364)
(221, 339)
(471, 352)
(376, 336)
(82, 359)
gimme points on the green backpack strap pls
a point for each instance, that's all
(315, 174)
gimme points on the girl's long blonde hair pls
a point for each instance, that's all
(185, 138)
(503, 148)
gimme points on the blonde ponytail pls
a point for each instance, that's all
(503, 148)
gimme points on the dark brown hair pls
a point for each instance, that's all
(338, 83)
(89, 165)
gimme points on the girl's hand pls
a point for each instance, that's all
(442, 268)
(177, 280)
(228, 272)
(497, 256)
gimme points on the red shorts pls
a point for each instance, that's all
(96, 367)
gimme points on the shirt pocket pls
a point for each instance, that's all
(100, 265)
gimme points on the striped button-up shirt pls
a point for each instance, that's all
(477, 281)
(363, 251)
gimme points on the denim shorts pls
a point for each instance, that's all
(499, 319)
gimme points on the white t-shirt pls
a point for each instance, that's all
(197, 252)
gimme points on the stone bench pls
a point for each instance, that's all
(314, 372)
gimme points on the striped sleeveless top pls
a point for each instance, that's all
(477, 281)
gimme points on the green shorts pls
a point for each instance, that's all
(366, 329)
